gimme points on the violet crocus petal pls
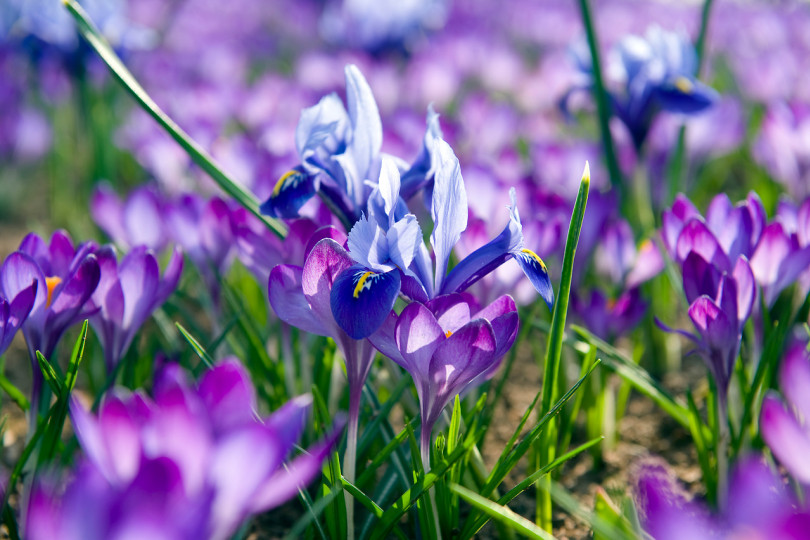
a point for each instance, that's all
(673, 221)
(452, 311)
(324, 263)
(649, 263)
(732, 226)
(448, 208)
(699, 277)
(240, 464)
(91, 439)
(328, 231)
(289, 303)
(461, 358)
(71, 296)
(61, 253)
(106, 209)
(285, 483)
(384, 339)
(502, 315)
(696, 237)
(139, 276)
(757, 499)
(216, 231)
(794, 380)
(291, 192)
(746, 289)
(773, 250)
(418, 334)
(289, 422)
(18, 310)
(228, 394)
(143, 219)
(788, 441)
(171, 277)
(361, 299)
(713, 323)
(19, 270)
(121, 437)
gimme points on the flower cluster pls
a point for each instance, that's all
(194, 461)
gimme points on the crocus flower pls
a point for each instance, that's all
(127, 294)
(66, 277)
(782, 146)
(137, 221)
(758, 506)
(194, 462)
(204, 229)
(14, 312)
(786, 429)
(391, 258)
(447, 346)
(778, 261)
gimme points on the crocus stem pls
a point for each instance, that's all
(287, 358)
(424, 448)
(643, 199)
(350, 457)
(722, 453)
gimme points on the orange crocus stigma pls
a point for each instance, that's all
(448, 333)
(51, 282)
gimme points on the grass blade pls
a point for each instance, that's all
(197, 153)
(198, 348)
(501, 513)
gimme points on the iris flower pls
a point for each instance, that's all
(391, 258)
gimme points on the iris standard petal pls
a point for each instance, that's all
(366, 140)
(323, 125)
(448, 209)
(361, 299)
(291, 192)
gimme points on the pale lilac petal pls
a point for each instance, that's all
(448, 208)
(289, 303)
(785, 437)
(323, 265)
(228, 394)
(794, 380)
(418, 334)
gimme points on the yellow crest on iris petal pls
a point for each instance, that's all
(362, 283)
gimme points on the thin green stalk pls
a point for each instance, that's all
(547, 443)
(197, 153)
(350, 458)
(602, 104)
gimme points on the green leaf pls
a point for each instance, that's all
(501, 513)
(14, 393)
(605, 510)
(198, 348)
(197, 153)
(53, 380)
(313, 511)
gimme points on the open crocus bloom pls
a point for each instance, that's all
(446, 347)
(193, 463)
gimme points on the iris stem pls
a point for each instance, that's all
(350, 457)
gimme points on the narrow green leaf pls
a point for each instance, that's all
(501, 513)
(296, 531)
(14, 393)
(53, 380)
(605, 510)
(197, 153)
(383, 455)
(366, 501)
(198, 348)
(76, 358)
(606, 530)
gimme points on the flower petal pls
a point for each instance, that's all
(287, 299)
(417, 334)
(323, 265)
(291, 192)
(361, 299)
(785, 437)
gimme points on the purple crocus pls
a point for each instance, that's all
(127, 294)
(205, 231)
(786, 429)
(66, 277)
(194, 462)
(137, 221)
(778, 260)
(14, 312)
(758, 506)
(446, 346)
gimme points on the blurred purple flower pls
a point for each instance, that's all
(783, 147)
(205, 231)
(446, 347)
(786, 429)
(127, 294)
(137, 221)
(758, 505)
(66, 278)
(195, 462)
(778, 261)
(13, 313)
(609, 318)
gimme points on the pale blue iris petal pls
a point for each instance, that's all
(448, 208)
